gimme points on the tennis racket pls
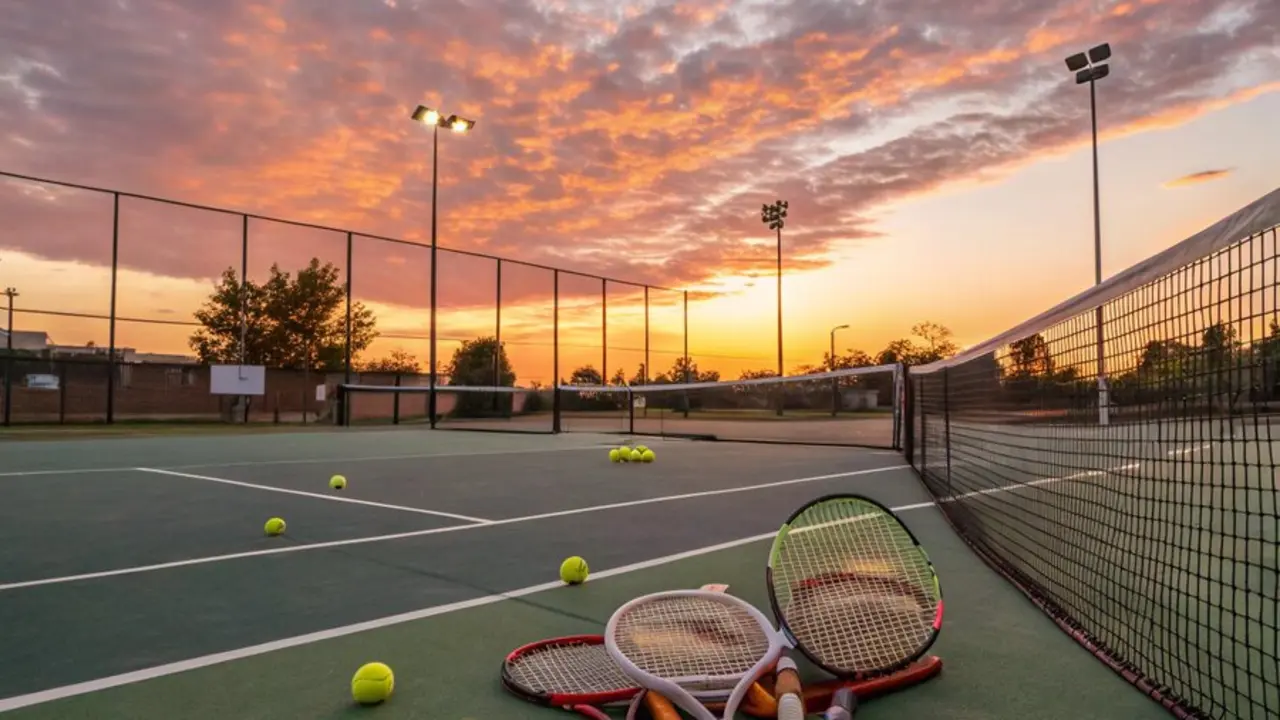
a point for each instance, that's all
(680, 642)
(575, 673)
(852, 589)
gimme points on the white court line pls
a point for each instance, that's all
(151, 673)
(432, 531)
(317, 496)
(304, 461)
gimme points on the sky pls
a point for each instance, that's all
(934, 154)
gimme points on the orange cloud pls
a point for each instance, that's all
(1198, 177)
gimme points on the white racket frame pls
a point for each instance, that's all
(671, 688)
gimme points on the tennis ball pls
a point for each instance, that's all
(637, 456)
(337, 482)
(615, 456)
(624, 454)
(642, 448)
(372, 683)
(574, 570)
(274, 526)
(647, 456)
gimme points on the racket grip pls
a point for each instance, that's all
(787, 689)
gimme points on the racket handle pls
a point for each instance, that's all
(843, 705)
(787, 689)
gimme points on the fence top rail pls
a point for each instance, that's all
(312, 226)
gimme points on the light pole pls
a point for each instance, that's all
(10, 293)
(1089, 68)
(831, 361)
(436, 120)
(775, 216)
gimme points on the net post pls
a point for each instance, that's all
(631, 411)
(555, 351)
(111, 326)
(924, 433)
(906, 426)
(395, 403)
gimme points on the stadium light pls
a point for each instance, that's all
(775, 216)
(435, 120)
(1090, 67)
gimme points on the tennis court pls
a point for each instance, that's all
(137, 581)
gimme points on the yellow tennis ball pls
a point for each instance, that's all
(372, 683)
(337, 482)
(624, 454)
(642, 448)
(637, 456)
(274, 526)
(647, 456)
(614, 455)
(574, 570)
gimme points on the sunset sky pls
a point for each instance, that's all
(934, 154)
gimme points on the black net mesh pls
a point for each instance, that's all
(1140, 511)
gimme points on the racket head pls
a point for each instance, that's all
(566, 672)
(852, 587)
(681, 642)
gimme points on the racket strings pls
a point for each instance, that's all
(692, 640)
(577, 669)
(854, 588)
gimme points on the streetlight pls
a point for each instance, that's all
(1089, 68)
(835, 383)
(436, 120)
(774, 216)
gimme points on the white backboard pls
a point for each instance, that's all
(237, 379)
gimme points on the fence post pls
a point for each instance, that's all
(687, 362)
(497, 335)
(244, 309)
(8, 363)
(644, 376)
(346, 371)
(111, 322)
(604, 331)
(555, 351)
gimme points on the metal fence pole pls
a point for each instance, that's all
(244, 301)
(111, 322)
(688, 363)
(604, 331)
(644, 376)
(497, 333)
(555, 351)
(8, 361)
(346, 373)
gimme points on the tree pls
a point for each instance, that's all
(899, 351)
(685, 369)
(938, 339)
(586, 375)
(757, 374)
(619, 377)
(482, 362)
(292, 322)
(399, 361)
(1030, 357)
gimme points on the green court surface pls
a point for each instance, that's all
(136, 581)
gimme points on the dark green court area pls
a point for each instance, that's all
(137, 581)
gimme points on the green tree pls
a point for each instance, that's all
(399, 361)
(289, 321)
(481, 362)
(1031, 358)
(619, 377)
(937, 338)
(586, 375)
(899, 351)
(757, 374)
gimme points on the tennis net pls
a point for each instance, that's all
(856, 406)
(1115, 458)
(508, 409)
